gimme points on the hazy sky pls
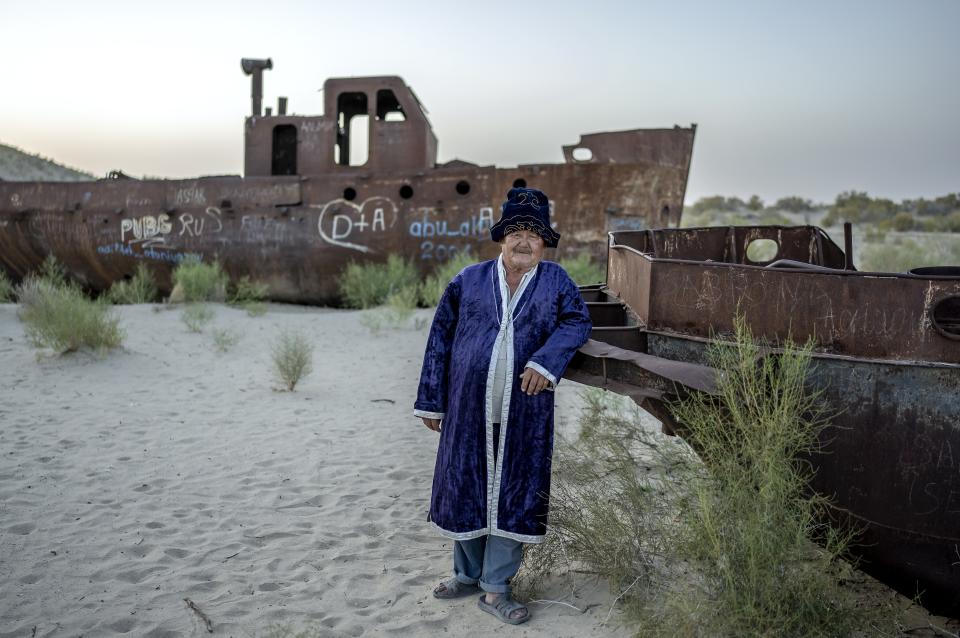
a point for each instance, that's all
(808, 98)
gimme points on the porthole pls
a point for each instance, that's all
(349, 193)
(463, 187)
(945, 316)
(761, 251)
(406, 191)
(519, 183)
(582, 154)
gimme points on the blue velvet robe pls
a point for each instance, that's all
(473, 496)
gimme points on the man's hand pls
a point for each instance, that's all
(433, 424)
(533, 382)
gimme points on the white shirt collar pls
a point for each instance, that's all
(505, 289)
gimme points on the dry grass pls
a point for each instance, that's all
(57, 315)
(249, 295)
(6, 288)
(196, 316)
(292, 355)
(370, 285)
(141, 288)
(195, 281)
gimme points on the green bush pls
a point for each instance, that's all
(249, 295)
(434, 285)
(584, 270)
(196, 281)
(393, 314)
(292, 355)
(59, 316)
(719, 547)
(196, 316)
(6, 288)
(52, 271)
(141, 288)
(369, 285)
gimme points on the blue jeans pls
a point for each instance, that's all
(490, 561)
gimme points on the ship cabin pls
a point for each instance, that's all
(370, 124)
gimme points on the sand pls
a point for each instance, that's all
(167, 471)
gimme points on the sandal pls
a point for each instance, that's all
(453, 588)
(503, 607)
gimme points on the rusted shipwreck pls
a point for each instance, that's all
(887, 359)
(357, 183)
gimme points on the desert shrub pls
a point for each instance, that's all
(723, 547)
(196, 316)
(141, 288)
(292, 355)
(395, 313)
(6, 288)
(249, 295)
(197, 281)
(369, 285)
(584, 270)
(52, 271)
(435, 283)
(224, 338)
(57, 315)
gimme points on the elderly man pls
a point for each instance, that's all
(502, 336)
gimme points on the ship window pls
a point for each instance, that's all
(519, 183)
(353, 130)
(946, 317)
(463, 187)
(388, 107)
(406, 191)
(582, 154)
(284, 156)
(761, 251)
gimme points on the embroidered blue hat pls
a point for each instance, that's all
(525, 209)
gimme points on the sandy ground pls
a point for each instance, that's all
(167, 470)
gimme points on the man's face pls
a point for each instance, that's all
(522, 250)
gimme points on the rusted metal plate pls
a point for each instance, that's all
(886, 316)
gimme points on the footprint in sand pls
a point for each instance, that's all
(22, 528)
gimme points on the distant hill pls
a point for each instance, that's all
(19, 166)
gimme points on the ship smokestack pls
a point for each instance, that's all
(255, 67)
(281, 106)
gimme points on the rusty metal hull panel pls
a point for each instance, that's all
(887, 359)
(876, 315)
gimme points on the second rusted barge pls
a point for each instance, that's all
(887, 359)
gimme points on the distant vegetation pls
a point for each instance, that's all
(941, 214)
(19, 166)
